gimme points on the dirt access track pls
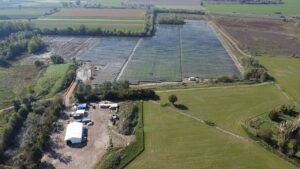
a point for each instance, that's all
(262, 36)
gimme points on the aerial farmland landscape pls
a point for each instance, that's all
(149, 84)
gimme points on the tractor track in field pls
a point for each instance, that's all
(189, 115)
(216, 87)
(129, 59)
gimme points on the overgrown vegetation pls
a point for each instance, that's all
(255, 71)
(279, 130)
(35, 118)
(18, 43)
(9, 27)
(128, 115)
(118, 159)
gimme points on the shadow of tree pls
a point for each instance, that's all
(181, 107)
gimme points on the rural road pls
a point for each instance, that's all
(129, 59)
(69, 93)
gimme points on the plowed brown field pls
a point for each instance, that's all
(263, 36)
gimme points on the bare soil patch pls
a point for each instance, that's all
(109, 13)
(263, 36)
(67, 47)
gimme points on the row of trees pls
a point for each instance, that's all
(112, 91)
(84, 30)
(252, 1)
(173, 19)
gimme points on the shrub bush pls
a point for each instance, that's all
(266, 134)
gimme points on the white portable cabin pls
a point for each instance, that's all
(74, 133)
(80, 112)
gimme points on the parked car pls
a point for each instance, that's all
(86, 120)
(90, 123)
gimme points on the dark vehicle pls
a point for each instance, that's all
(86, 120)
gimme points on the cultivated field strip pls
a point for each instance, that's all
(157, 58)
(203, 54)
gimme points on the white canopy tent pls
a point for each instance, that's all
(74, 133)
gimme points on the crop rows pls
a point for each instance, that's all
(109, 55)
(176, 52)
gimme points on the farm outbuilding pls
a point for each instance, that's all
(74, 133)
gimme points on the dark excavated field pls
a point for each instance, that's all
(261, 36)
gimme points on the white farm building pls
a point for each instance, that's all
(74, 133)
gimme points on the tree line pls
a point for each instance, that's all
(114, 91)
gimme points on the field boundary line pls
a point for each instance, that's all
(286, 94)
(203, 121)
(227, 47)
(215, 87)
(230, 39)
(129, 59)
(180, 57)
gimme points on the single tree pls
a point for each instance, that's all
(38, 64)
(17, 105)
(55, 59)
(173, 98)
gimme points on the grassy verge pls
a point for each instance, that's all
(52, 80)
(121, 158)
(286, 72)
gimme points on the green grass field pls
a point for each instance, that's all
(14, 81)
(23, 13)
(90, 23)
(175, 141)
(229, 107)
(52, 80)
(286, 71)
(291, 7)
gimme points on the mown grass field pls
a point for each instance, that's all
(52, 80)
(286, 71)
(175, 141)
(23, 13)
(14, 81)
(290, 7)
(229, 107)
